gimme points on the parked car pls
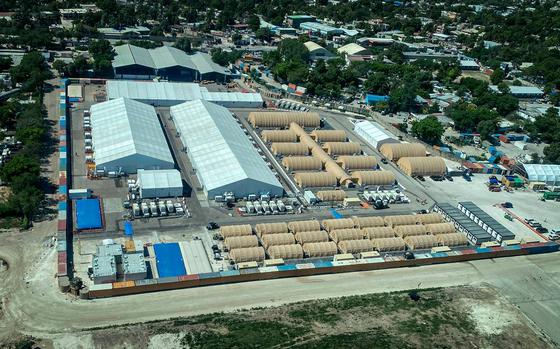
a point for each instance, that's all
(212, 226)
(507, 204)
(553, 237)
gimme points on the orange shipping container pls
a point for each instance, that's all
(123, 284)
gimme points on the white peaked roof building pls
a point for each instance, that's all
(127, 136)
(549, 174)
(222, 155)
(166, 94)
(374, 134)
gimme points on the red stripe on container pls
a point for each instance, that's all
(189, 277)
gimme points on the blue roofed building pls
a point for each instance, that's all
(374, 99)
(88, 214)
(169, 260)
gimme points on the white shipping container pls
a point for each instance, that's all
(75, 194)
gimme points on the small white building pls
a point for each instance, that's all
(374, 134)
(134, 267)
(160, 183)
(104, 269)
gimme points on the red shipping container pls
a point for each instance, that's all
(189, 277)
(61, 257)
(292, 86)
(61, 225)
(62, 269)
(468, 251)
(497, 248)
(62, 181)
(504, 139)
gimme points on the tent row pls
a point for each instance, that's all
(284, 119)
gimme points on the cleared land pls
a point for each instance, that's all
(463, 317)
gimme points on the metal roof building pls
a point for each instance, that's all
(126, 136)
(160, 183)
(323, 29)
(374, 134)
(475, 234)
(166, 94)
(521, 91)
(549, 174)
(488, 223)
(317, 51)
(224, 158)
(132, 62)
(353, 49)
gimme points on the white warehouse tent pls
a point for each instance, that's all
(167, 94)
(374, 134)
(127, 136)
(549, 174)
(160, 183)
(222, 155)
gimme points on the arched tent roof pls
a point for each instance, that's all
(423, 166)
(302, 163)
(357, 162)
(549, 174)
(278, 136)
(395, 151)
(374, 177)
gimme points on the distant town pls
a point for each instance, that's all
(270, 173)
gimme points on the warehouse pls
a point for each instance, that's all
(394, 152)
(132, 62)
(548, 174)
(423, 166)
(353, 49)
(167, 94)
(521, 91)
(374, 134)
(223, 156)
(160, 183)
(317, 51)
(127, 136)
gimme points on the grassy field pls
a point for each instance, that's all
(436, 318)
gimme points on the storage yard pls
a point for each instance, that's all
(283, 191)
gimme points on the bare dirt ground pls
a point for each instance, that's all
(457, 317)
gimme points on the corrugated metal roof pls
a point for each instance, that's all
(128, 55)
(159, 179)
(352, 49)
(124, 127)
(165, 57)
(147, 90)
(220, 97)
(222, 154)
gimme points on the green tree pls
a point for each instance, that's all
(18, 165)
(497, 76)
(5, 63)
(254, 23)
(486, 128)
(184, 44)
(429, 130)
(61, 67)
(403, 98)
(552, 153)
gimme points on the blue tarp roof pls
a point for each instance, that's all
(128, 231)
(169, 260)
(370, 99)
(88, 214)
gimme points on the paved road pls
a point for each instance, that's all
(38, 308)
